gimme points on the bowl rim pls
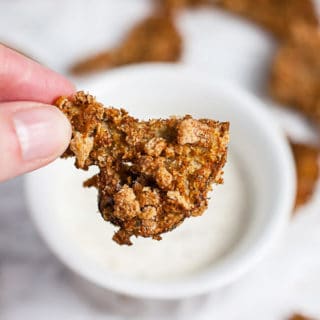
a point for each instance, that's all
(207, 280)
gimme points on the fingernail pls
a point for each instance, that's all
(42, 132)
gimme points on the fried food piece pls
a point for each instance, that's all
(277, 16)
(307, 167)
(153, 174)
(299, 317)
(295, 79)
(153, 39)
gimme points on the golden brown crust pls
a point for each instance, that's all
(295, 78)
(152, 39)
(306, 158)
(276, 16)
(149, 180)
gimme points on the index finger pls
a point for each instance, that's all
(23, 79)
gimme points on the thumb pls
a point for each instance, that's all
(31, 136)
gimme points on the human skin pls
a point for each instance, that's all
(32, 131)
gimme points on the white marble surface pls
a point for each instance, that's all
(35, 285)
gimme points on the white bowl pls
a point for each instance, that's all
(258, 145)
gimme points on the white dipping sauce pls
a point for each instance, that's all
(192, 246)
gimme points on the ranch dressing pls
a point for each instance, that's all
(194, 245)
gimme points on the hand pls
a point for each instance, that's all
(32, 132)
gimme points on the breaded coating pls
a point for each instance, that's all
(153, 174)
(307, 168)
(276, 16)
(295, 79)
(299, 317)
(154, 39)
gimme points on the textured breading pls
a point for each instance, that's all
(153, 174)
(307, 169)
(277, 16)
(154, 39)
(295, 79)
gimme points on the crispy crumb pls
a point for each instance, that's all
(150, 180)
(307, 166)
(163, 178)
(148, 213)
(193, 131)
(147, 196)
(126, 205)
(155, 146)
(81, 146)
(179, 199)
(152, 39)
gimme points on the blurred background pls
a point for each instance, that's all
(82, 38)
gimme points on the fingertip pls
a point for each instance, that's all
(35, 135)
(62, 87)
(65, 131)
(43, 132)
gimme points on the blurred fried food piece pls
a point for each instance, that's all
(307, 168)
(295, 79)
(153, 174)
(298, 316)
(153, 39)
(173, 5)
(277, 16)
